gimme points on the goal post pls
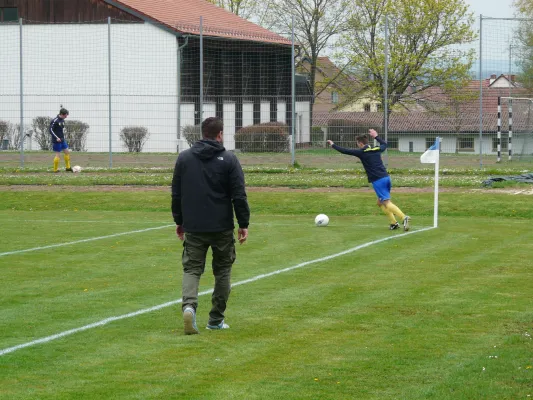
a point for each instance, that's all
(510, 101)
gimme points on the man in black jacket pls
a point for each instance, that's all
(208, 185)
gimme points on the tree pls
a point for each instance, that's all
(422, 34)
(524, 40)
(316, 23)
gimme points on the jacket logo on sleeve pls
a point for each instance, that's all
(220, 158)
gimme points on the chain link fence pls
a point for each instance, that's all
(133, 92)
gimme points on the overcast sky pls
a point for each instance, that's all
(491, 8)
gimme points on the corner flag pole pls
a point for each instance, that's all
(436, 205)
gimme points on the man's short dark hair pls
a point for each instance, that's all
(63, 111)
(211, 127)
(362, 138)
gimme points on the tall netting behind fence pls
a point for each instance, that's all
(245, 82)
(507, 90)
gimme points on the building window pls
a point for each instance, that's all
(367, 107)
(430, 142)
(8, 14)
(334, 97)
(379, 107)
(504, 143)
(393, 143)
(465, 144)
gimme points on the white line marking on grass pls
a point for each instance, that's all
(171, 303)
(83, 240)
(85, 221)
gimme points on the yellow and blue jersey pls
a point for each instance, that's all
(370, 157)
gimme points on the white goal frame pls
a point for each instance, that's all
(510, 110)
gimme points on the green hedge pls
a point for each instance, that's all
(262, 138)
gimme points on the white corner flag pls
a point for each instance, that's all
(432, 156)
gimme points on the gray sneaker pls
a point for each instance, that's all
(189, 321)
(222, 325)
(406, 223)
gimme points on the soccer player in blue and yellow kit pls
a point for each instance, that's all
(59, 144)
(377, 174)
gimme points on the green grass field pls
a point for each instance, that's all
(440, 313)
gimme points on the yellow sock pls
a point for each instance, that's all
(389, 214)
(56, 163)
(395, 210)
(67, 161)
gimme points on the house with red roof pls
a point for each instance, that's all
(457, 116)
(118, 63)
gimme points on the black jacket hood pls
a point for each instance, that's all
(206, 149)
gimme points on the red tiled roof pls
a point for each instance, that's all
(184, 16)
(426, 122)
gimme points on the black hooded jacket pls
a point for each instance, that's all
(208, 184)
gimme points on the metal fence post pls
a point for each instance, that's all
(386, 89)
(21, 127)
(293, 99)
(201, 69)
(109, 89)
(480, 91)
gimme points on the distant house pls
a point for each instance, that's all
(453, 116)
(154, 78)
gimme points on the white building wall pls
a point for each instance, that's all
(68, 65)
(303, 126)
(247, 114)
(265, 111)
(282, 112)
(229, 125)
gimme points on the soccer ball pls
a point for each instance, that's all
(321, 220)
(76, 168)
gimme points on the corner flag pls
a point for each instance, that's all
(431, 155)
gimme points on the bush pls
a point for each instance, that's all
(262, 138)
(14, 136)
(317, 136)
(76, 134)
(41, 129)
(134, 138)
(192, 133)
(343, 132)
(4, 133)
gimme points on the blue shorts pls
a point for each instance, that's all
(382, 188)
(58, 147)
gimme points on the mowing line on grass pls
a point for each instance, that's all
(83, 240)
(171, 303)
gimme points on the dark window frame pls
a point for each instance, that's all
(504, 143)
(463, 139)
(11, 9)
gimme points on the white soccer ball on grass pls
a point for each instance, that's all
(76, 168)
(321, 220)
